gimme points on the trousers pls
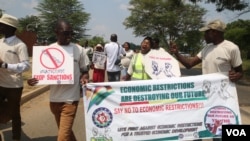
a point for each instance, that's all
(13, 98)
(64, 114)
(114, 76)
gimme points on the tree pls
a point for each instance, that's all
(166, 19)
(239, 33)
(1, 12)
(30, 23)
(52, 10)
(93, 41)
(232, 5)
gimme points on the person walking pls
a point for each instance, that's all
(64, 98)
(220, 55)
(89, 50)
(14, 60)
(126, 59)
(98, 65)
(114, 51)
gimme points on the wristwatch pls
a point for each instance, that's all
(4, 65)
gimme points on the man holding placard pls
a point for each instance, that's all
(64, 98)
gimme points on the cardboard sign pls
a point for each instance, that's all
(99, 59)
(161, 65)
(53, 65)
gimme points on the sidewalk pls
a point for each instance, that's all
(28, 96)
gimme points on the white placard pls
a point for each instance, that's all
(161, 65)
(53, 64)
(99, 59)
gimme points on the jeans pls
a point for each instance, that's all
(13, 97)
(114, 76)
(64, 115)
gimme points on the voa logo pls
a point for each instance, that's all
(236, 132)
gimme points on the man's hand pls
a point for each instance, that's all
(32, 81)
(234, 76)
(84, 79)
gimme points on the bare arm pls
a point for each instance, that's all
(188, 63)
(236, 73)
(84, 78)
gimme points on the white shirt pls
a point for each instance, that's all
(70, 92)
(220, 58)
(89, 50)
(126, 59)
(19, 67)
(160, 49)
(15, 53)
(111, 50)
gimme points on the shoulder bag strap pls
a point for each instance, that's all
(118, 50)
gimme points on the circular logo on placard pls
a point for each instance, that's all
(102, 117)
(52, 58)
(218, 116)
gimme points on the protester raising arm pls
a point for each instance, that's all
(188, 63)
(219, 55)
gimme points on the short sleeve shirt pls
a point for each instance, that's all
(70, 92)
(111, 50)
(220, 58)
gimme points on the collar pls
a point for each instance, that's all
(9, 39)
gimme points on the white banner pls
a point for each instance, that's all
(183, 108)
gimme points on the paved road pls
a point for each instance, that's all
(39, 125)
